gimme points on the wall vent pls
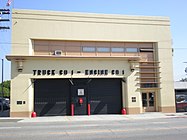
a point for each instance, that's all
(58, 52)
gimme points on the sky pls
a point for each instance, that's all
(176, 10)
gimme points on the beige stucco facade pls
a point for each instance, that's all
(36, 34)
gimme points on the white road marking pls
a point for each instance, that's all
(2, 128)
(159, 122)
(114, 130)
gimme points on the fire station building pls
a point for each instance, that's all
(65, 63)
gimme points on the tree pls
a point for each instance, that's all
(6, 88)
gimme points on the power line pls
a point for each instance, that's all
(4, 12)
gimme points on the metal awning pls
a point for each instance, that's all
(54, 57)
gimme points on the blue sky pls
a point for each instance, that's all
(175, 9)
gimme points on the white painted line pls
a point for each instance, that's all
(159, 122)
(2, 128)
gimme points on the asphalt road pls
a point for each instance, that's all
(151, 129)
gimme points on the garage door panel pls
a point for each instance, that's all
(105, 96)
(52, 97)
(98, 107)
(103, 108)
(51, 109)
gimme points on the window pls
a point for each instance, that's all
(103, 49)
(88, 49)
(132, 50)
(144, 99)
(151, 99)
(146, 50)
(149, 85)
(117, 50)
(133, 99)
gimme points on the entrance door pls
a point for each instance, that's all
(148, 101)
(79, 99)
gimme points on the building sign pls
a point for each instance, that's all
(71, 72)
(80, 92)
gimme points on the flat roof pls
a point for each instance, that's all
(89, 17)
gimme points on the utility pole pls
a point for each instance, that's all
(2, 27)
(2, 93)
(2, 78)
(4, 12)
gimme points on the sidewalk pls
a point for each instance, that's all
(154, 115)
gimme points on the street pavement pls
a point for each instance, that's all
(154, 126)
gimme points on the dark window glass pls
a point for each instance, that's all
(133, 99)
(144, 99)
(149, 85)
(151, 99)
